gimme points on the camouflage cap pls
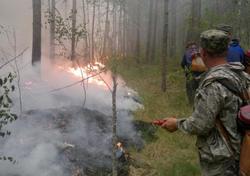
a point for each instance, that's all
(214, 41)
(224, 27)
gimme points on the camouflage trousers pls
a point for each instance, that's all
(224, 168)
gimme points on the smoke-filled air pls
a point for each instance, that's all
(83, 82)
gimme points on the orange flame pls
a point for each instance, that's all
(85, 72)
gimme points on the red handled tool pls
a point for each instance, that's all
(158, 122)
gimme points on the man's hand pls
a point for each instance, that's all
(170, 124)
(158, 122)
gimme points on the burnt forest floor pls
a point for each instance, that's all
(166, 154)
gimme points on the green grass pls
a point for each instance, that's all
(170, 154)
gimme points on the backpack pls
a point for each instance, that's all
(197, 64)
(243, 120)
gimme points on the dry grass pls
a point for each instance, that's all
(171, 154)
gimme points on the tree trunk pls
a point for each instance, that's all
(217, 7)
(114, 30)
(240, 18)
(99, 39)
(37, 32)
(124, 29)
(194, 26)
(73, 38)
(173, 31)
(149, 33)
(89, 29)
(164, 49)
(247, 12)
(65, 8)
(93, 33)
(52, 29)
(114, 124)
(120, 30)
(49, 6)
(138, 36)
(152, 56)
(106, 32)
(86, 44)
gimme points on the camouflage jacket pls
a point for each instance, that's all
(213, 100)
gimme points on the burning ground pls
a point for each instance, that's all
(68, 131)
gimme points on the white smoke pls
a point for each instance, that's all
(35, 144)
(37, 147)
(34, 150)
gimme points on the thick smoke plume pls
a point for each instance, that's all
(53, 121)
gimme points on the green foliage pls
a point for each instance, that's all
(6, 117)
(235, 17)
(113, 64)
(234, 13)
(210, 19)
(63, 28)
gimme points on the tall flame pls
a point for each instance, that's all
(87, 72)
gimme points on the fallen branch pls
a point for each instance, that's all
(13, 59)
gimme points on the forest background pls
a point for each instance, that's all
(148, 38)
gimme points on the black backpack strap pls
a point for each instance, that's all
(226, 83)
(244, 95)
